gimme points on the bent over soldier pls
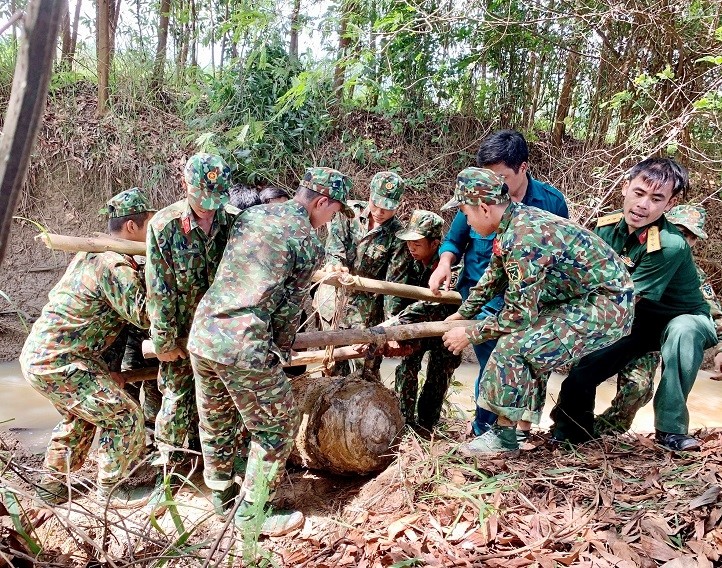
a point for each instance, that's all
(567, 294)
(185, 245)
(62, 358)
(242, 335)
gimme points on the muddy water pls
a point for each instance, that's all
(31, 417)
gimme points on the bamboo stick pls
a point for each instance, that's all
(91, 244)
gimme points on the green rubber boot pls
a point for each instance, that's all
(496, 440)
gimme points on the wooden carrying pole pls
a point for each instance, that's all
(106, 242)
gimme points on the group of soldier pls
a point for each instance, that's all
(223, 287)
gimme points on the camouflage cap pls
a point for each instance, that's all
(387, 189)
(208, 178)
(128, 202)
(478, 185)
(423, 224)
(691, 217)
(331, 183)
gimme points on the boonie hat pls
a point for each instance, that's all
(331, 183)
(478, 185)
(387, 189)
(691, 217)
(209, 179)
(423, 224)
(128, 202)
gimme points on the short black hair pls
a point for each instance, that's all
(660, 171)
(273, 192)
(243, 197)
(115, 224)
(506, 147)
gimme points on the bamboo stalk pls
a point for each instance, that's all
(91, 244)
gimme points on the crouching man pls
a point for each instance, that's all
(567, 294)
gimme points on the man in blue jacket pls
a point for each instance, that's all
(506, 153)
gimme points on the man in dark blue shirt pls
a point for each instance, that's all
(505, 153)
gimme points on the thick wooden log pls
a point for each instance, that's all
(348, 425)
(335, 337)
(91, 244)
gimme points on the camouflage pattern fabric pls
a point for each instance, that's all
(244, 329)
(567, 294)
(478, 185)
(422, 225)
(692, 217)
(61, 358)
(331, 183)
(375, 253)
(181, 264)
(387, 189)
(244, 412)
(208, 178)
(129, 202)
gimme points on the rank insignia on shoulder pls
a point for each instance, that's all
(653, 241)
(627, 261)
(610, 219)
(186, 225)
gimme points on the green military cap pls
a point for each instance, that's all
(387, 189)
(209, 179)
(423, 224)
(691, 217)
(331, 183)
(478, 185)
(128, 202)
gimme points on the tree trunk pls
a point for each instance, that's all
(156, 81)
(343, 44)
(565, 97)
(103, 51)
(295, 25)
(74, 35)
(114, 7)
(348, 424)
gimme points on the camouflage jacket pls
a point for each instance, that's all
(374, 254)
(181, 263)
(712, 300)
(90, 305)
(250, 315)
(544, 260)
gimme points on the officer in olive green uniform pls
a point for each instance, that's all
(666, 286)
(636, 380)
(566, 295)
(423, 236)
(368, 247)
(185, 245)
(243, 332)
(62, 358)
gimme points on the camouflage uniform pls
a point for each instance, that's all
(182, 261)
(62, 358)
(243, 331)
(567, 294)
(375, 253)
(635, 383)
(442, 363)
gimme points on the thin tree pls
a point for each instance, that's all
(156, 81)
(295, 26)
(102, 26)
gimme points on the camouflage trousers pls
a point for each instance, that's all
(259, 400)
(88, 398)
(178, 416)
(439, 370)
(514, 381)
(635, 386)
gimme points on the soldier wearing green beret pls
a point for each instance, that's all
(185, 245)
(567, 294)
(635, 383)
(367, 246)
(99, 294)
(242, 335)
(423, 237)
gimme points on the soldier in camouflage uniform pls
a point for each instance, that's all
(567, 294)
(423, 236)
(635, 383)
(62, 358)
(367, 246)
(242, 334)
(185, 245)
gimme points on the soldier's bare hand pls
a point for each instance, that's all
(332, 268)
(454, 317)
(455, 340)
(360, 347)
(717, 375)
(118, 378)
(440, 279)
(173, 355)
(395, 349)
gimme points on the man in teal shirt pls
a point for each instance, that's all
(666, 286)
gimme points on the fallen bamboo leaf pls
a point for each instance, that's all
(709, 496)
(401, 524)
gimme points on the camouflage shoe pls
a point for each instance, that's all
(496, 440)
(223, 499)
(123, 497)
(52, 490)
(276, 522)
